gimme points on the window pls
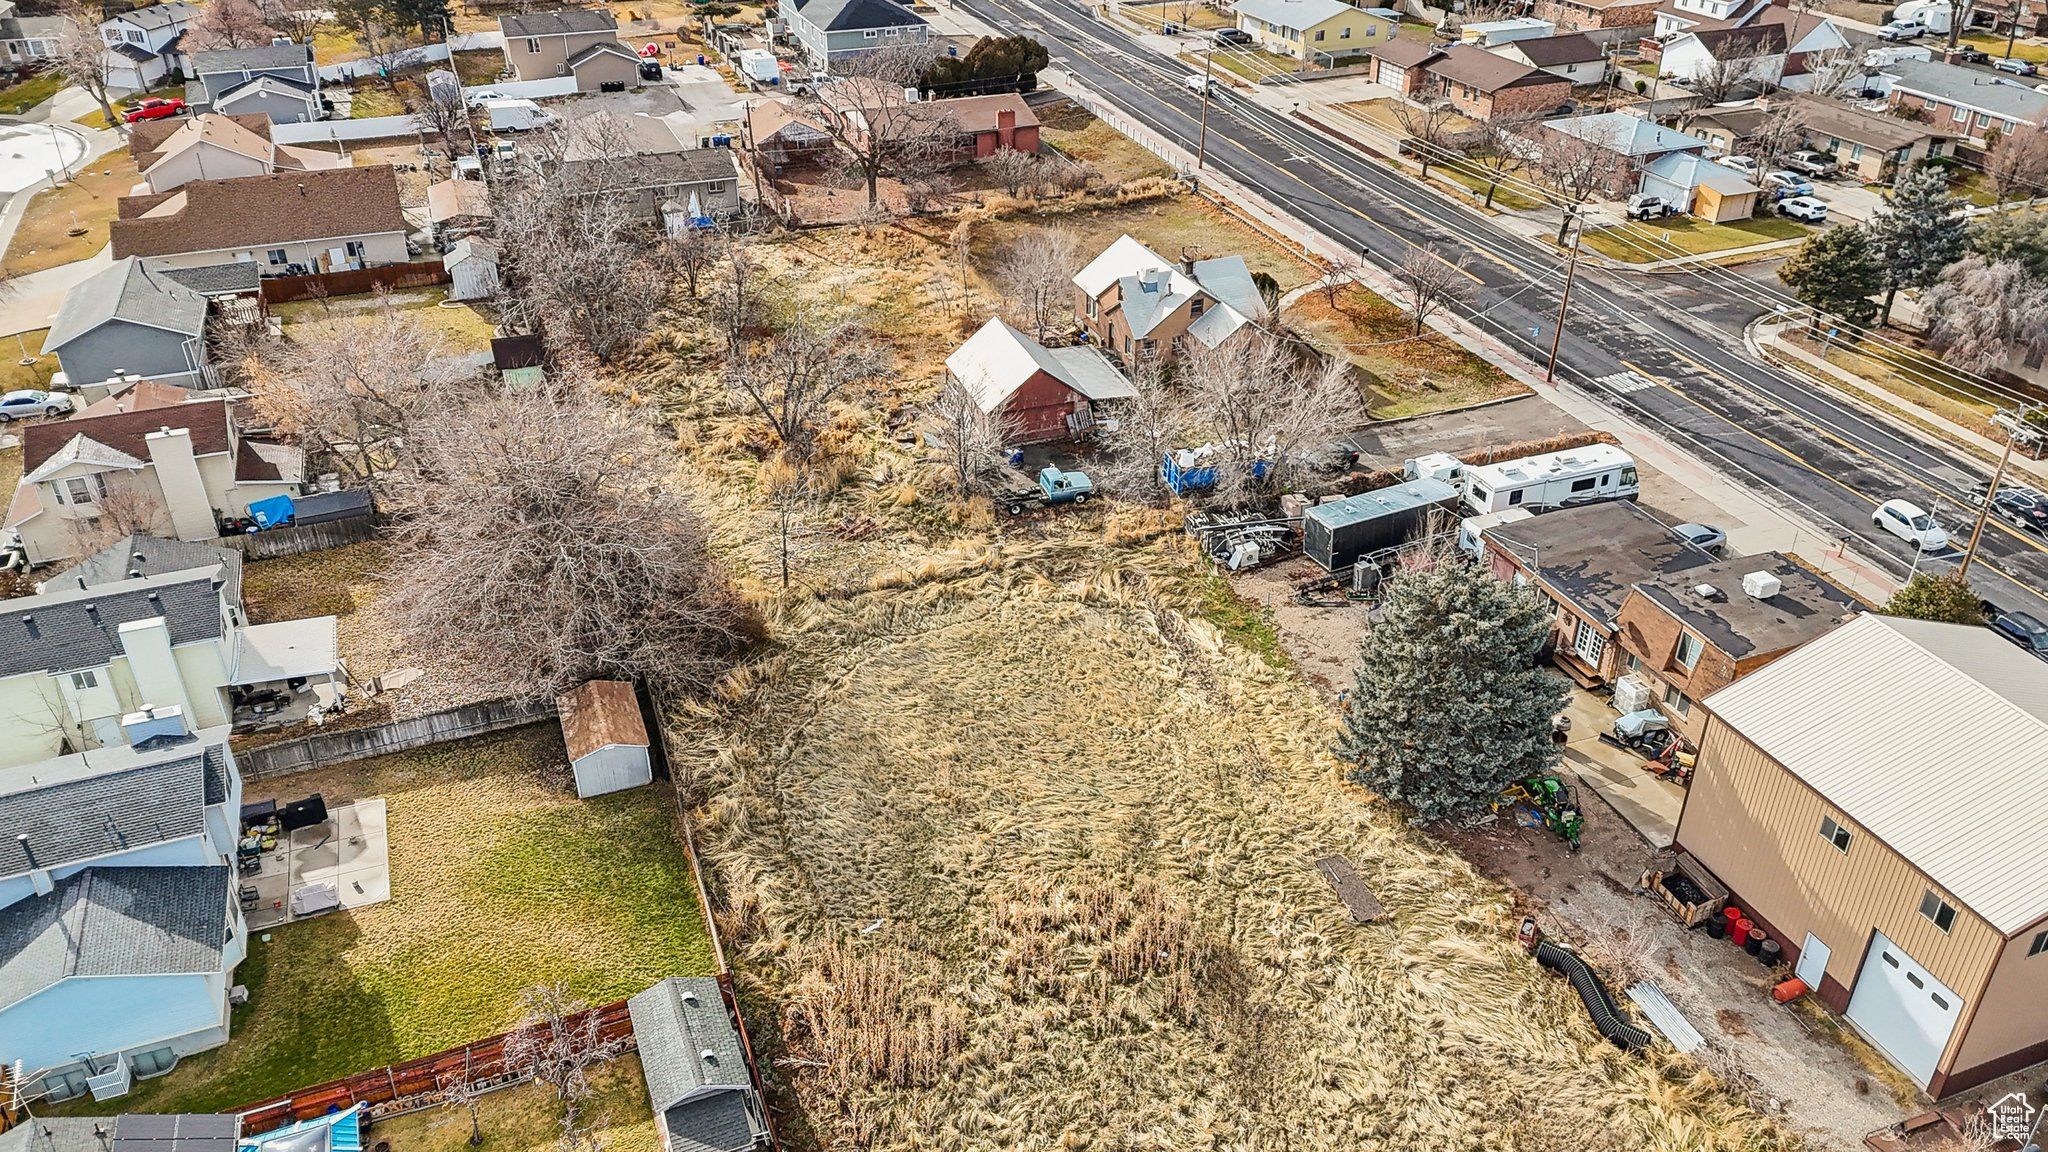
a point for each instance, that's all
(1938, 910)
(2039, 945)
(2011, 127)
(1677, 701)
(1855, 152)
(1687, 655)
(1091, 307)
(136, 38)
(276, 256)
(1631, 662)
(84, 680)
(1346, 34)
(533, 46)
(1194, 307)
(718, 189)
(1584, 485)
(80, 490)
(1834, 834)
(356, 250)
(1319, 33)
(1961, 115)
(1983, 120)
(1148, 347)
(870, 34)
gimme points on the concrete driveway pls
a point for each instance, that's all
(1649, 805)
(32, 301)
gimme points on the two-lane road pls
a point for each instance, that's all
(1657, 349)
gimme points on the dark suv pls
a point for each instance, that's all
(2023, 630)
(2019, 506)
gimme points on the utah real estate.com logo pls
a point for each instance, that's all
(2012, 1118)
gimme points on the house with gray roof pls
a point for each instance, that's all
(1964, 101)
(146, 44)
(134, 1132)
(278, 80)
(119, 926)
(579, 42)
(696, 1068)
(129, 319)
(834, 30)
(26, 39)
(1134, 302)
(139, 554)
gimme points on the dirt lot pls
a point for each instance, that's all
(1409, 374)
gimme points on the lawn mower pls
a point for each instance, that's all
(1550, 804)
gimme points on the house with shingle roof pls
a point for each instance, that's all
(129, 319)
(1402, 62)
(173, 461)
(695, 1064)
(1481, 84)
(579, 42)
(833, 30)
(146, 44)
(1034, 392)
(1315, 30)
(1964, 101)
(276, 80)
(216, 147)
(288, 223)
(1572, 55)
(1752, 41)
(1134, 302)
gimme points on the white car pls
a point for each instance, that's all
(1902, 30)
(1911, 523)
(27, 402)
(1743, 164)
(1804, 208)
(1199, 84)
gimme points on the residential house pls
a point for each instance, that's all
(1572, 55)
(988, 124)
(472, 264)
(1034, 393)
(139, 554)
(1481, 84)
(695, 1064)
(1402, 63)
(1316, 31)
(1724, 129)
(1697, 185)
(144, 45)
(129, 319)
(458, 208)
(1869, 801)
(1688, 634)
(24, 40)
(1758, 42)
(175, 460)
(1964, 101)
(1871, 147)
(700, 184)
(829, 31)
(1133, 302)
(1586, 559)
(172, 153)
(780, 135)
(291, 223)
(605, 737)
(1491, 33)
(579, 42)
(1997, 16)
(981, 125)
(1630, 141)
(1597, 15)
(277, 80)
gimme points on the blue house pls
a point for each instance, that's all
(120, 926)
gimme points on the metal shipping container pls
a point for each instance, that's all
(1336, 534)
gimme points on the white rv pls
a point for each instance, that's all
(1471, 528)
(1554, 480)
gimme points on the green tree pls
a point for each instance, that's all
(1269, 290)
(1836, 273)
(994, 64)
(1449, 706)
(2015, 238)
(1918, 232)
(1945, 597)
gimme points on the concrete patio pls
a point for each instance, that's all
(1649, 805)
(350, 851)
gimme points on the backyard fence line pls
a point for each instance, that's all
(284, 289)
(341, 746)
(295, 539)
(336, 131)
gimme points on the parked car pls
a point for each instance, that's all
(650, 70)
(1643, 206)
(1902, 30)
(1804, 208)
(1818, 165)
(2016, 67)
(155, 108)
(1743, 164)
(1704, 537)
(2023, 630)
(1232, 36)
(2017, 505)
(1787, 184)
(476, 98)
(1969, 55)
(1911, 523)
(1200, 84)
(27, 402)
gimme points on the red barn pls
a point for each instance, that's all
(1039, 393)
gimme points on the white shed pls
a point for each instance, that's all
(473, 266)
(606, 739)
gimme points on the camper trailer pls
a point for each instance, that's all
(1553, 480)
(1470, 528)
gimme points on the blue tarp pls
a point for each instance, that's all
(272, 512)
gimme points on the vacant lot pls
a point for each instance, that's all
(467, 328)
(1184, 14)
(527, 1118)
(1079, 134)
(500, 879)
(1689, 236)
(1411, 374)
(86, 202)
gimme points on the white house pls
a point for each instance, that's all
(1573, 56)
(1757, 42)
(146, 44)
(119, 924)
(212, 146)
(607, 742)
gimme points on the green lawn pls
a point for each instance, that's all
(14, 374)
(500, 879)
(1994, 47)
(1685, 235)
(30, 92)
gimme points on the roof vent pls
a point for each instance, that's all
(1762, 585)
(710, 1057)
(29, 622)
(689, 997)
(1706, 592)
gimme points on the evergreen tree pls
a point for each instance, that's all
(2015, 238)
(994, 64)
(1917, 233)
(1450, 707)
(1945, 597)
(1836, 273)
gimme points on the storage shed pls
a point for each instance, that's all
(607, 742)
(1336, 534)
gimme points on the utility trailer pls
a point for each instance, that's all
(1337, 534)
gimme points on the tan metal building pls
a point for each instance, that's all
(1874, 801)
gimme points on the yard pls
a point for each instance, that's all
(17, 99)
(1410, 375)
(1172, 226)
(527, 1119)
(98, 120)
(1384, 115)
(1994, 47)
(1915, 377)
(14, 374)
(466, 327)
(500, 879)
(1186, 14)
(1252, 64)
(1073, 131)
(1689, 236)
(87, 201)
(1473, 178)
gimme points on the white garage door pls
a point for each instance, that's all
(1903, 1010)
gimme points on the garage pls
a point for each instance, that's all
(1903, 1009)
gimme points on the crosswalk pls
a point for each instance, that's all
(1625, 382)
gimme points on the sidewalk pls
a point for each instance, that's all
(58, 110)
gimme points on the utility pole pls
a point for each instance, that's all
(1202, 138)
(1571, 272)
(1991, 493)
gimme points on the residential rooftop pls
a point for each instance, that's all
(1805, 607)
(1593, 554)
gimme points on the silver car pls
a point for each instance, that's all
(28, 402)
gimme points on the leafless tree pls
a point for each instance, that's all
(1013, 171)
(1263, 400)
(878, 132)
(458, 1091)
(694, 254)
(352, 386)
(1836, 72)
(1333, 273)
(287, 19)
(557, 1041)
(1428, 124)
(438, 111)
(1573, 169)
(973, 439)
(1035, 275)
(1504, 147)
(1780, 130)
(231, 24)
(1986, 313)
(123, 510)
(578, 266)
(545, 543)
(1143, 429)
(80, 54)
(577, 1136)
(1741, 63)
(2017, 166)
(1430, 283)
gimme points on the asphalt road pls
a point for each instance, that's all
(1659, 349)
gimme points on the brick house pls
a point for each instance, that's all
(984, 125)
(1591, 15)
(1481, 84)
(1133, 302)
(1962, 102)
(1695, 631)
(1402, 63)
(1035, 393)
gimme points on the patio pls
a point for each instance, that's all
(1649, 805)
(349, 854)
(287, 673)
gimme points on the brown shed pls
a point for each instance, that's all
(607, 741)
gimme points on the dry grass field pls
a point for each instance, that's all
(87, 201)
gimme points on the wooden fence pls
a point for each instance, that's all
(284, 289)
(297, 538)
(342, 745)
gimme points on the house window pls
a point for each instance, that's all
(1983, 120)
(1677, 701)
(1834, 834)
(276, 257)
(718, 189)
(1961, 115)
(533, 46)
(1345, 33)
(356, 250)
(1195, 307)
(1148, 347)
(1091, 307)
(2011, 127)
(2039, 945)
(81, 490)
(1855, 152)
(84, 680)
(1689, 649)
(1631, 662)
(135, 38)
(1940, 911)
(1319, 34)
(870, 34)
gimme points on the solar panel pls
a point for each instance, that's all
(190, 1132)
(144, 1126)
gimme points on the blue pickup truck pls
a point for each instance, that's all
(1054, 487)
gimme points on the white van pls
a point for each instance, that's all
(517, 115)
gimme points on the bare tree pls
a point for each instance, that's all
(972, 438)
(2017, 166)
(121, 511)
(1428, 124)
(1504, 147)
(458, 1091)
(1035, 275)
(544, 543)
(1984, 314)
(1741, 63)
(1780, 130)
(80, 54)
(1836, 72)
(1429, 283)
(1573, 169)
(694, 254)
(1269, 405)
(578, 266)
(557, 1042)
(439, 111)
(878, 131)
(1155, 420)
(289, 20)
(231, 24)
(1013, 171)
(578, 1136)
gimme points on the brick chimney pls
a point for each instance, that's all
(1006, 128)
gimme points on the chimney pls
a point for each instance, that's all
(1006, 127)
(158, 682)
(177, 473)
